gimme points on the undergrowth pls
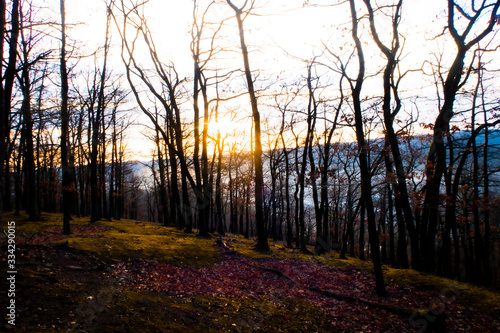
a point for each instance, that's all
(478, 297)
(150, 241)
(131, 239)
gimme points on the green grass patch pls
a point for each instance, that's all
(25, 227)
(333, 259)
(278, 250)
(134, 239)
(131, 239)
(151, 311)
(124, 239)
(246, 247)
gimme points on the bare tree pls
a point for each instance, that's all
(390, 111)
(66, 169)
(366, 186)
(201, 78)
(469, 36)
(166, 95)
(283, 107)
(241, 14)
(311, 124)
(26, 80)
(323, 238)
(6, 88)
(98, 195)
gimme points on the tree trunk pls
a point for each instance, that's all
(274, 201)
(6, 93)
(361, 243)
(436, 161)
(262, 243)
(287, 189)
(218, 189)
(390, 113)
(324, 208)
(95, 200)
(296, 193)
(29, 162)
(200, 199)
(162, 184)
(4, 112)
(366, 186)
(486, 204)
(66, 170)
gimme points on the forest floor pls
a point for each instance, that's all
(131, 276)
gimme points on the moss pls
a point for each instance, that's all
(148, 312)
(130, 239)
(237, 312)
(246, 247)
(26, 228)
(156, 312)
(279, 251)
(481, 298)
(136, 239)
(39, 293)
(332, 259)
(299, 316)
(251, 315)
(467, 294)
(126, 239)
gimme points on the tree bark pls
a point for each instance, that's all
(262, 243)
(29, 162)
(366, 186)
(287, 185)
(4, 111)
(66, 170)
(390, 113)
(6, 87)
(436, 161)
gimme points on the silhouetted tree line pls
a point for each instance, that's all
(336, 157)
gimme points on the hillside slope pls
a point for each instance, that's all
(131, 276)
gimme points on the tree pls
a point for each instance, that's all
(322, 212)
(219, 142)
(469, 36)
(26, 82)
(65, 166)
(166, 93)
(366, 186)
(98, 188)
(6, 87)
(262, 243)
(201, 59)
(311, 123)
(390, 111)
(118, 127)
(283, 107)
(161, 180)
(274, 156)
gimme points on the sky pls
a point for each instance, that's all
(280, 37)
(282, 30)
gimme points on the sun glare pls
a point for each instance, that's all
(233, 133)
